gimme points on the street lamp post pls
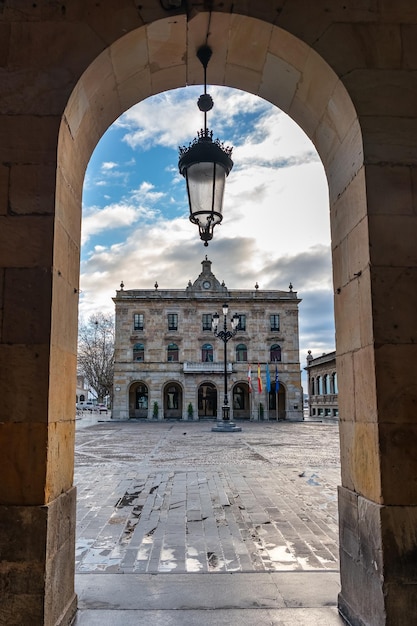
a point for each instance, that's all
(226, 425)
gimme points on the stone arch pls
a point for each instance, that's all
(277, 403)
(138, 394)
(284, 70)
(207, 400)
(151, 59)
(241, 400)
(41, 204)
(173, 400)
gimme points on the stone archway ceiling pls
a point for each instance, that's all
(248, 54)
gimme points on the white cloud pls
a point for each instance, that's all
(121, 214)
(108, 165)
(146, 193)
(173, 118)
(113, 216)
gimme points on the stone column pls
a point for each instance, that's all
(38, 315)
(376, 304)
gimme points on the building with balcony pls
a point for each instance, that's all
(82, 389)
(322, 385)
(170, 365)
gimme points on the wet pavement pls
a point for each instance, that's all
(175, 497)
(181, 526)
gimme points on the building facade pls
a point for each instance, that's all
(82, 389)
(170, 365)
(322, 385)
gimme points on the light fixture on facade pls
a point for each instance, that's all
(226, 425)
(205, 165)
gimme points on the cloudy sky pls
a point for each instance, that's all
(275, 228)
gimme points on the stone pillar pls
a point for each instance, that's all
(376, 303)
(38, 322)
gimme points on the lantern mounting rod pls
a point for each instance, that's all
(205, 102)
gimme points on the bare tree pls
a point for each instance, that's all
(96, 353)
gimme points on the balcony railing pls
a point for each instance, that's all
(191, 367)
(328, 398)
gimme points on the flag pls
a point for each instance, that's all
(268, 379)
(250, 378)
(259, 379)
(276, 379)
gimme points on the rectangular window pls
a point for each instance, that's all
(274, 322)
(172, 321)
(138, 321)
(172, 352)
(242, 322)
(207, 318)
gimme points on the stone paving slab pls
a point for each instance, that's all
(175, 497)
(285, 598)
(207, 591)
(254, 513)
(218, 617)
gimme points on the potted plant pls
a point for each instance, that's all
(155, 410)
(190, 411)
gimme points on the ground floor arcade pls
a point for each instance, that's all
(169, 402)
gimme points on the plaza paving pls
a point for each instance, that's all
(172, 500)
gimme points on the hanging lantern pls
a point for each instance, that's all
(205, 165)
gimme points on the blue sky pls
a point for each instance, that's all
(275, 228)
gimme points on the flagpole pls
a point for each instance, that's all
(250, 391)
(276, 393)
(268, 391)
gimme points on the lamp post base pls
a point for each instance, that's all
(226, 427)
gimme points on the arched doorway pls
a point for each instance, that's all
(316, 116)
(172, 401)
(277, 402)
(207, 401)
(372, 196)
(138, 400)
(241, 401)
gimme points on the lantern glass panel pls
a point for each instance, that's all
(206, 184)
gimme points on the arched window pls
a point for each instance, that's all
(207, 353)
(319, 384)
(275, 353)
(138, 352)
(334, 383)
(241, 352)
(325, 384)
(313, 386)
(172, 352)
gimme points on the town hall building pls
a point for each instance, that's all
(170, 365)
